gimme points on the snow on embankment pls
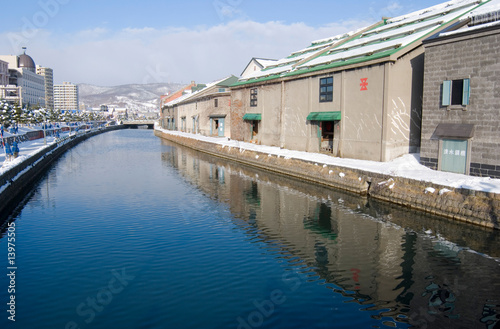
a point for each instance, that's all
(403, 181)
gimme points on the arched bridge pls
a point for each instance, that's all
(137, 124)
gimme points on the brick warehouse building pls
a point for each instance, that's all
(461, 107)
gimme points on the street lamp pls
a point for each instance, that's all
(44, 124)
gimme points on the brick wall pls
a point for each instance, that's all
(475, 56)
(239, 104)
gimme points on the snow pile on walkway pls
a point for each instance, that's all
(407, 166)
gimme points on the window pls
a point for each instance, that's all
(326, 89)
(216, 102)
(253, 97)
(455, 92)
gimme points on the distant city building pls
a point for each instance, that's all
(66, 96)
(25, 86)
(48, 75)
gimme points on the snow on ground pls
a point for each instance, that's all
(407, 166)
(26, 150)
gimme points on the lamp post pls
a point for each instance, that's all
(44, 124)
(43, 111)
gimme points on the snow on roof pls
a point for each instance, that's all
(489, 12)
(484, 16)
(389, 36)
(364, 50)
(331, 39)
(440, 9)
(287, 63)
(323, 43)
(265, 62)
(193, 94)
(396, 33)
(179, 99)
(473, 28)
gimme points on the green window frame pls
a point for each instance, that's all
(455, 92)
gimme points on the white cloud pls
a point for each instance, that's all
(393, 7)
(97, 32)
(143, 30)
(203, 54)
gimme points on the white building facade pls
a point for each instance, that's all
(25, 86)
(66, 97)
(33, 87)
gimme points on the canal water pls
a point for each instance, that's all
(129, 231)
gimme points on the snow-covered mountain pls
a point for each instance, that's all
(141, 97)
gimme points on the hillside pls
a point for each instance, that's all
(142, 97)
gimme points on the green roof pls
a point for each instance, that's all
(228, 82)
(252, 116)
(324, 116)
(320, 67)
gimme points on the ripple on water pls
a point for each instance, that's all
(205, 244)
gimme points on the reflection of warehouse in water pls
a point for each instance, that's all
(380, 265)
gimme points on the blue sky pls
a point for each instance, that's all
(119, 42)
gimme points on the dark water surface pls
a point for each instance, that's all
(128, 231)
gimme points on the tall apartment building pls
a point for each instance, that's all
(66, 96)
(48, 75)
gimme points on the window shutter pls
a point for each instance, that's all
(466, 93)
(446, 94)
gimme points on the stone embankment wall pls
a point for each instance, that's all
(470, 206)
(15, 182)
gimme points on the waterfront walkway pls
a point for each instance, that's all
(26, 149)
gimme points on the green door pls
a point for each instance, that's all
(454, 156)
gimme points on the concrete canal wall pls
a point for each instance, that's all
(15, 182)
(464, 205)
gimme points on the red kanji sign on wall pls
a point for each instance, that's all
(364, 84)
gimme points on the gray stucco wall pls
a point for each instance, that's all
(475, 56)
(379, 103)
